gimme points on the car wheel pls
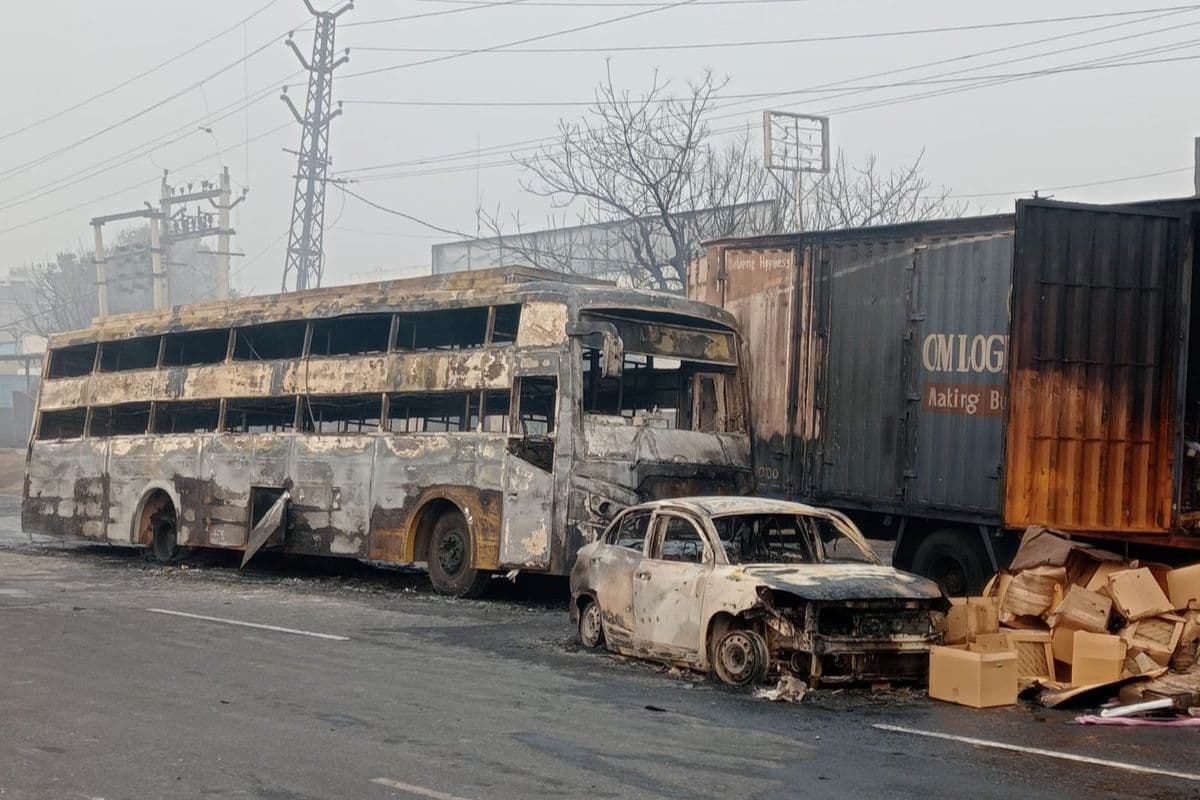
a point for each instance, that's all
(740, 658)
(449, 558)
(591, 628)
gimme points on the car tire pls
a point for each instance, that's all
(591, 625)
(955, 558)
(740, 658)
(451, 553)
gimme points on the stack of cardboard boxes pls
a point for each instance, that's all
(1066, 616)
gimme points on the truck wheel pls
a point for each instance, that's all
(955, 558)
(591, 628)
(740, 658)
(451, 553)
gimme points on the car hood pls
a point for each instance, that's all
(832, 582)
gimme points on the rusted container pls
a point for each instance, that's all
(887, 378)
(878, 359)
(1100, 331)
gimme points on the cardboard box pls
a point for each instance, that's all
(1096, 658)
(991, 643)
(1099, 581)
(1035, 654)
(970, 617)
(1082, 610)
(1183, 586)
(979, 680)
(1136, 595)
(1062, 640)
(1032, 592)
(1157, 637)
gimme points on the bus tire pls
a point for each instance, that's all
(955, 558)
(165, 544)
(451, 553)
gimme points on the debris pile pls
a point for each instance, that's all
(1069, 622)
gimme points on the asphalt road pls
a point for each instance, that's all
(417, 696)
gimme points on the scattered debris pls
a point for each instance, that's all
(1075, 625)
(790, 689)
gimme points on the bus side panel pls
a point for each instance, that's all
(219, 495)
(331, 495)
(66, 489)
(414, 470)
(139, 464)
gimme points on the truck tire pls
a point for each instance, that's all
(955, 558)
(451, 554)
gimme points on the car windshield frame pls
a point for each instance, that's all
(837, 522)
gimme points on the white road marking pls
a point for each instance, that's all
(276, 628)
(420, 791)
(1037, 751)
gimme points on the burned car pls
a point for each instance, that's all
(744, 587)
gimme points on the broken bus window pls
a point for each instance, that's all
(195, 347)
(67, 424)
(72, 362)
(126, 419)
(351, 335)
(271, 341)
(124, 354)
(261, 415)
(342, 413)
(187, 417)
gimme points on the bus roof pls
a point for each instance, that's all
(450, 290)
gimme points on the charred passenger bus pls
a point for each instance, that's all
(477, 422)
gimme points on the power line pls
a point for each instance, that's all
(759, 95)
(1148, 16)
(527, 40)
(1125, 179)
(133, 154)
(401, 214)
(474, 7)
(117, 87)
(991, 51)
(771, 42)
(20, 168)
(132, 186)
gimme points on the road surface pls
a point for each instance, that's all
(123, 679)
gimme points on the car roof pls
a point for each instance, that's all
(721, 505)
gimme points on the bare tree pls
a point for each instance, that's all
(647, 184)
(61, 295)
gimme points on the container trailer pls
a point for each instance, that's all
(950, 383)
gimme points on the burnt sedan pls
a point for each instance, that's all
(744, 587)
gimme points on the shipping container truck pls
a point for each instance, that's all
(950, 383)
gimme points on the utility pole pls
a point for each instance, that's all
(305, 252)
(171, 222)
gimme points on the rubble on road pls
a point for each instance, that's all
(1072, 624)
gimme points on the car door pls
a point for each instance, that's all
(668, 588)
(612, 566)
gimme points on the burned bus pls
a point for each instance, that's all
(477, 422)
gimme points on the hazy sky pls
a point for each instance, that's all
(1076, 127)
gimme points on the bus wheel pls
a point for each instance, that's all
(955, 558)
(450, 556)
(165, 545)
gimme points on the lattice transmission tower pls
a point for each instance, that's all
(305, 253)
